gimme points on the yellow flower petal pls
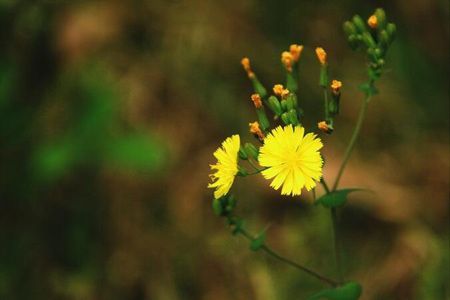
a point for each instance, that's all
(226, 166)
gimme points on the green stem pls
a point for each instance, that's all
(336, 242)
(325, 185)
(274, 254)
(352, 143)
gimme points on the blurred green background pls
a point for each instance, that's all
(110, 112)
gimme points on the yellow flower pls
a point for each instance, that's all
(227, 166)
(292, 159)
(296, 50)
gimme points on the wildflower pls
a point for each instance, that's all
(295, 50)
(284, 93)
(292, 159)
(286, 58)
(254, 128)
(278, 89)
(246, 64)
(321, 55)
(336, 85)
(227, 166)
(372, 22)
(256, 100)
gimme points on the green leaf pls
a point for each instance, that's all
(336, 198)
(258, 242)
(350, 291)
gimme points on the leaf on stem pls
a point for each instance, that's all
(336, 198)
(258, 241)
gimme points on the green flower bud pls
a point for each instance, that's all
(383, 37)
(242, 171)
(381, 18)
(323, 80)
(284, 105)
(258, 87)
(224, 206)
(291, 83)
(252, 151)
(242, 153)
(292, 115)
(262, 118)
(391, 30)
(368, 40)
(300, 113)
(275, 105)
(285, 118)
(349, 28)
(359, 24)
(334, 105)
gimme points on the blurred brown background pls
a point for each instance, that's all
(110, 112)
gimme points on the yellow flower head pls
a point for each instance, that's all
(286, 58)
(284, 93)
(295, 50)
(245, 62)
(278, 89)
(256, 100)
(372, 22)
(227, 166)
(321, 55)
(254, 128)
(336, 85)
(292, 158)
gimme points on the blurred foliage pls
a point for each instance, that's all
(110, 112)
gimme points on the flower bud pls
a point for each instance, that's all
(285, 118)
(242, 171)
(275, 105)
(291, 101)
(256, 100)
(349, 28)
(381, 18)
(323, 79)
(254, 128)
(251, 150)
(359, 24)
(391, 30)
(242, 153)
(321, 55)
(291, 83)
(284, 105)
(258, 87)
(372, 21)
(262, 118)
(278, 89)
(368, 40)
(384, 40)
(292, 116)
(286, 59)
(324, 127)
(295, 51)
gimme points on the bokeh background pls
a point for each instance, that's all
(110, 112)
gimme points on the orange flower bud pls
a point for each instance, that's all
(336, 85)
(296, 50)
(246, 64)
(256, 100)
(286, 58)
(254, 128)
(278, 89)
(323, 126)
(321, 55)
(372, 22)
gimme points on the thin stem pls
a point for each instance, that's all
(325, 185)
(352, 143)
(256, 172)
(337, 246)
(274, 254)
